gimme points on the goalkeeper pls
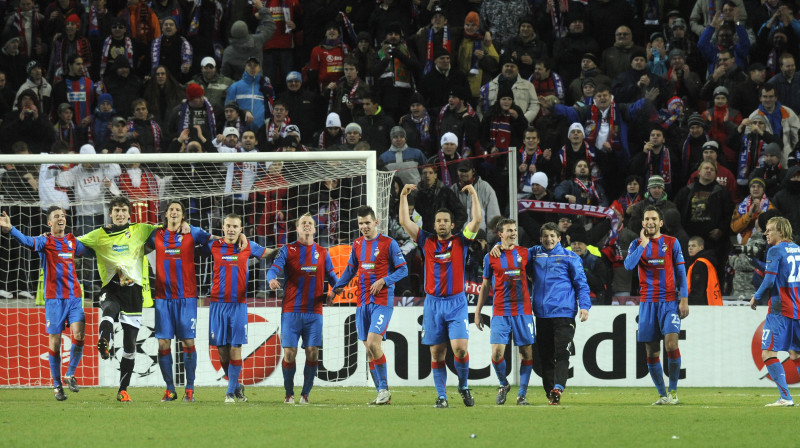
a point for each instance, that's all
(122, 266)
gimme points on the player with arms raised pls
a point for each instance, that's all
(307, 265)
(62, 293)
(662, 277)
(379, 264)
(122, 267)
(176, 294)
(782, 283)
(445, 313)
(227, 313)
(512, 313)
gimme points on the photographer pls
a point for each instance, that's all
(749, 260)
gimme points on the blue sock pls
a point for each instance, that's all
(525, 369)
(657, 375)
(309, 373)
(462, 368)
(289, 369)
(374, 376)
(440, 378)
(674, 364)
(55, 367)
(75, 355)
(380, 367)
(234, 369)
(778, 375)
(190, 362)
(500, 371)
(165, 363)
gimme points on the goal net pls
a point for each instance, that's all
(270, 191)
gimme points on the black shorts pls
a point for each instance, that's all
(129, 298)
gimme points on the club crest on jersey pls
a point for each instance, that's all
(377, 251)
(316, 255)
(128, 234)
(664, 248)
(519, 259)
(180, 238)
(69, 244)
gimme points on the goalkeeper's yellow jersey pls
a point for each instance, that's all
(121, 252)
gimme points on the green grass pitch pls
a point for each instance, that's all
(339, 417)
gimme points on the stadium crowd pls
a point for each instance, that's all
(688, 106)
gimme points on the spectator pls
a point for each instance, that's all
(252, 93)
(436, 84)
(172, 51)
(122, 84)
(705, 11)
(681, 39)
(375, 124)
(96, 22)
(325, 66)
(393, 69)
(332, 136)
(445, 160)
(352, 137)
(787, 83)
(99, 128)
(530, 220)
(589, 71)
(143, 188)
(657, 159)
(703, 283)
(28, 124)
(162, 93)
(274, 128)
(118, 43)
(771, 169)
(529, 158)
(623, 205)
(430, 40)
(77, 90)
(747, 212)
(604, 19)
(524, 94)
(194, 111)
(67, 43)
(143, 27)
(418, 125)
(725, 177)
(526, 47)
(722, 121)
(576, 44)
(459, 118)
(735, 48)
(214, 84)
(14, 65)
(575, 149)
(788, 197)
(682, 81)
(27, 24)
(656, 196)
(501, 129)
(580, 189)
(725, 73)
(781, 121)
(279, 49)
(401, 158)
(656, 51)
(617, 58)
(750, 141)
(486, 194)
(346, 98)
(477, 55)
(633, 83)
(501, 18)
(119, 140)
(745, 95)
(432, 195)
(595, 266)
(366, 56)
(546, 81)
(145, 129)
(243, 45)
(39, 86)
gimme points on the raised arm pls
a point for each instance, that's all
(477, 216)
(6, 227)
(411, 228)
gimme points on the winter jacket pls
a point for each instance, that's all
(559, 283)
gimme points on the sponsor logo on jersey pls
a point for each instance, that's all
(443, 256)
(230, 258)
(119, 247)
(367, 265)
(656, 261)
(309, 269)
(512, 272)
(172, 251)
(65, 254)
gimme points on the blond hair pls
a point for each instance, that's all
(782, 226)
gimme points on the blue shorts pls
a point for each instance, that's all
(59, 311)
(227, 324)
(444, 318)
(372, 318)
(294, 325)
(780, 333)
(176, 317)
(657, 319)
(520, 326)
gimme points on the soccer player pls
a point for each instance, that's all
(176, 294)
(123, 270)
(307, 266)
(445, 311)
(63, 294)
(661, 278)
(512, 314)
(379, 264)
(781, 282)
(227, 313)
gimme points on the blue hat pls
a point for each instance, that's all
(106, 97)
(294, 76)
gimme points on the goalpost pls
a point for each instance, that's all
(270, 190)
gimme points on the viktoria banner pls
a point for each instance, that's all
(720, 347)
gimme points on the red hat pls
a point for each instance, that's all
(74, 19)
(194, 91)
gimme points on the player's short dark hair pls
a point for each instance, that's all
(445, 210)
(502, 223)
(119, 201)
(166, 207)
(364, 211)
(51, 209)
(653, 208)
(549, 227)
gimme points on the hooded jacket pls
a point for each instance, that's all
(559, 283)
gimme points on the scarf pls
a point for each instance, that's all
(685, 155)
(287, 17)
(347, 98)
(94, 22)
(593, 126)
(667, 117)
(279, 230)
(26, 47)
(744, 206)
(465, 150)
(562, 156)
(272, 131)
(156, 131)
(446, 180)
(557, 11)
(401, 76)
(477, 44)
(349, 27)
(750, 158)
(107, 51)
(324, 136)
(500, 131)
(666, 166)
(588, 189)
(155, 52)
(423, 125)
(429, 47)
(66, 133)
(775, 118)
(185, 115)
(333, 220)
(60, 54)
(718, 130)
(626, 201)
(527, 159)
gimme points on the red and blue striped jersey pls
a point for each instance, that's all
(230, 270)
(375, 259)
(80, 95)
(306, 268)
(444, 263)
(58, 262)
(661, 269)
(782, 280)
(175, 273)
(509, 278)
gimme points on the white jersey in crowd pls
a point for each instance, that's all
(89, 186)
(240, 176)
